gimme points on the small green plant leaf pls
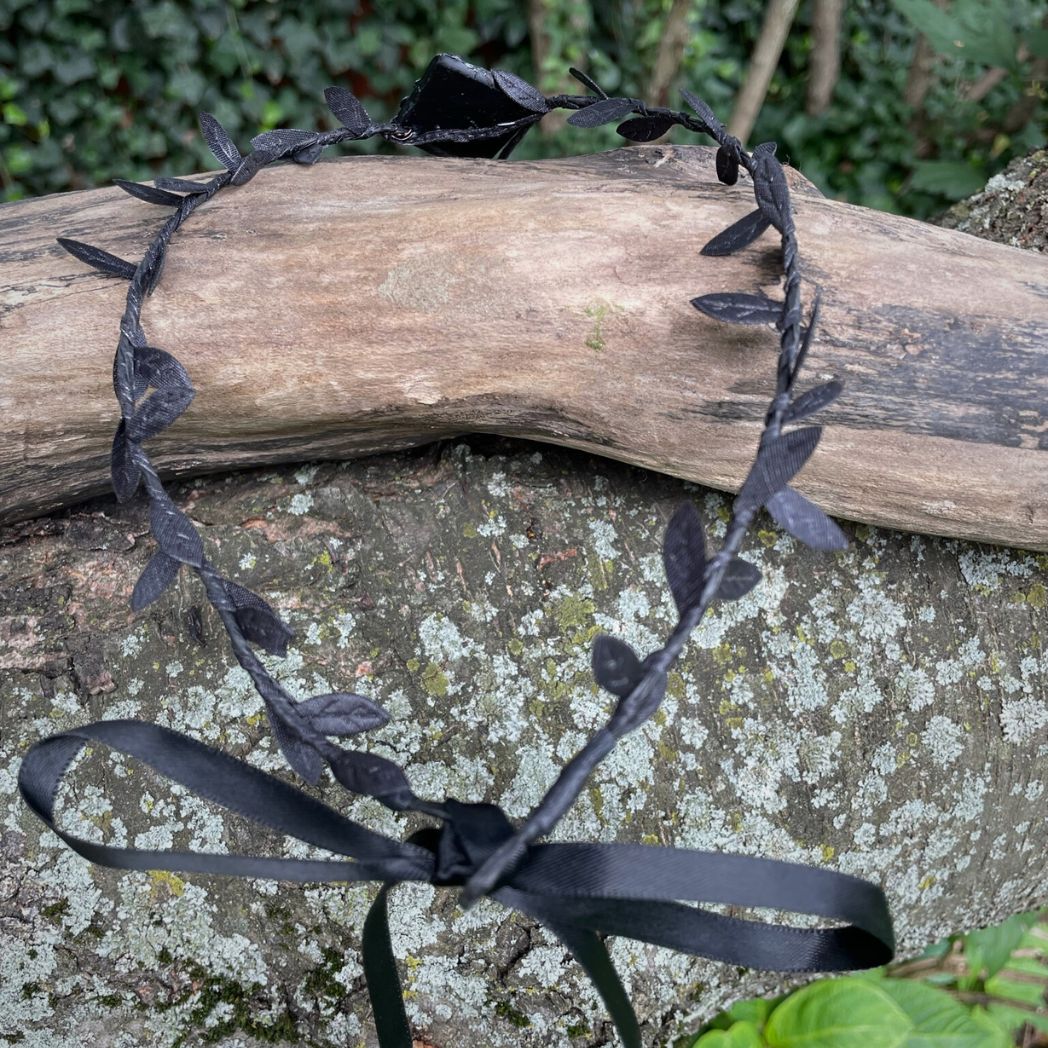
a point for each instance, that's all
(738, 1035)
(1022, 982)
(888, 1013)
(939, 1019)
(838, 1013)
(987, 950)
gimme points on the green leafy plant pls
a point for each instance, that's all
(979, 990)
(90, 91)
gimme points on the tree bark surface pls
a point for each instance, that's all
(370, 304)
(883, 711)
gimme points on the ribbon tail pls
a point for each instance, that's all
(589, 950)
(383, 981)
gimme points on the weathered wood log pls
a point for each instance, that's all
(371, 303)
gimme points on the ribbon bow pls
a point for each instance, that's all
(580, 892)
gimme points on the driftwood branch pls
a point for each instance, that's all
(373, 303)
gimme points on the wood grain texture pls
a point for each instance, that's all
(373, 303)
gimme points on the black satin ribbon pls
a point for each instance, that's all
(580, 892)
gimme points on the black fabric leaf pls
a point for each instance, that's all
(526, 96)
(124, 376)
(347, 109)
(158, 411)
(180, 185)
(738, 579)
(159, 369)
(588, 82)
(153, 271)
(150, 194)
(159, 573)
(124, 470)
(262, 626)
(174, 533)
(738, 235)
(813, 400)
(684, 556)
(736, 308)
(249, 167)
(770, 189)
(174, 393)
(300, 755)
(98, 259)
(765, 149)
(777, 462)
(341, 713)
(616, 667)
(645, 128)
(259, 623)
(727, 166)
(308, 154)
(242, 597)
(805, 521)
(602, 112)
(219, 142)
(280, 141)
(806, 341)
(372, 776)
(705, 114)
(636, 707)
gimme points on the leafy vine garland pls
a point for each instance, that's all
(581, 892)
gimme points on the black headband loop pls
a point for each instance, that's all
(581, 892)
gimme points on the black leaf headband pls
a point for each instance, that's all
(581, 892)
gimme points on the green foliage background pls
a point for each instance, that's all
(95, 89)
(985, 989)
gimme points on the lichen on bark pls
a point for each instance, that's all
(881, 711)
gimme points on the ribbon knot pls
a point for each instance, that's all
(581, 892)
(470, 835)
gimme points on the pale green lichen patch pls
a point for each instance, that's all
(880, 711)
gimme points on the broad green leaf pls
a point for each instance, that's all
(738, 1035)
(943, 31)
(1037, 42)
(987, 950)
(838, 1013)
(987, 37)
(1011, 1019)
(997, 46)
(1029, 987)
(938, 1020)
(953, 178)
(1004, 1022)
(890, 1013)
(755, 1011)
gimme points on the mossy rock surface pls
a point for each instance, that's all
(880, 711)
